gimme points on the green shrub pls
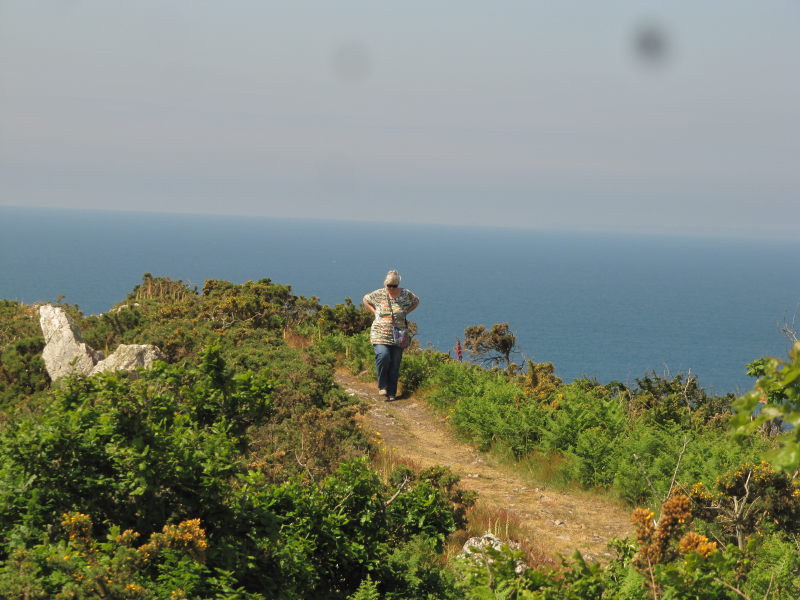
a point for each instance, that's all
(776, 395)
(418, 367)
(367, 590)
(647, 453)
(453, 381)
(428, 503)
(579, 409)
(354, 351)
(170, 564)
(595, 457)
(346, 319)
(172, 446)
(710, 453)
(22, 371)
(491, 405)
(137, 452)
(414, 570)
(774, 568)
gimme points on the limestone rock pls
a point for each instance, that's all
(122, 307)
(65, 352)
(475, 546)
(129, 357)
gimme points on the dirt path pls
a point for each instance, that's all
(557, 522)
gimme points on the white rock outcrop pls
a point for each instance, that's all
(129, 357)
(65, 352)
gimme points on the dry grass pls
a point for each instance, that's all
(294, 340)
(542, 469)
(483, 518)
(385, 460)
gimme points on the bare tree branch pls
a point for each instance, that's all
(653, 584)
(686, 389)
(345, 499)
(405, 482)
(789, 329)
(733, 589)
(677, 466)
(646, 476)
(299, 462)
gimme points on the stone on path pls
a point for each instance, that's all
(475, 547)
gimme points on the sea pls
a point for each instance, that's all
(611, 307)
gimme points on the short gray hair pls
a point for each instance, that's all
(392, 277)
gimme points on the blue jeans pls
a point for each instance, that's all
(387, 364)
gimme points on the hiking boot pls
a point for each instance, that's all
(381, 392)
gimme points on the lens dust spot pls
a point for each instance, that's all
(351, 63)
(651, 44)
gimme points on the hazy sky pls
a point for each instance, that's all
(635, 116)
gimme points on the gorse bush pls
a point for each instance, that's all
(312, 427)
(22, 370)
(135, 452)
(170, 564)
(170, 453)
(752, 498)
(181, 320)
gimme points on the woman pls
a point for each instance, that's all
(389, 305)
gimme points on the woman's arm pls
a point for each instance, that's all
(369, 305)
(414, 302)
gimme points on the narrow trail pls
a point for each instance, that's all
(556, 522)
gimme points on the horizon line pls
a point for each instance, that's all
(727, 235)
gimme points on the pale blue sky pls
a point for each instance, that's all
(524, 114)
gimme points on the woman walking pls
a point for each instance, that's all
(390, 305)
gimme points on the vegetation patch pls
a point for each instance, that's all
(237, 468)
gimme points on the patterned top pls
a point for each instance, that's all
(381, 331)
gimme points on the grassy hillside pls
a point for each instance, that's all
(236, 468)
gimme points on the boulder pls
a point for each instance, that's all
(129, 357)
(65, 352)
(475, 548)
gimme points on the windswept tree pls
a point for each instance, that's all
(493, 346)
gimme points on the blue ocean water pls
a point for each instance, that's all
(607, 306)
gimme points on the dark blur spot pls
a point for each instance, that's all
(351, 63)
(651, 44)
